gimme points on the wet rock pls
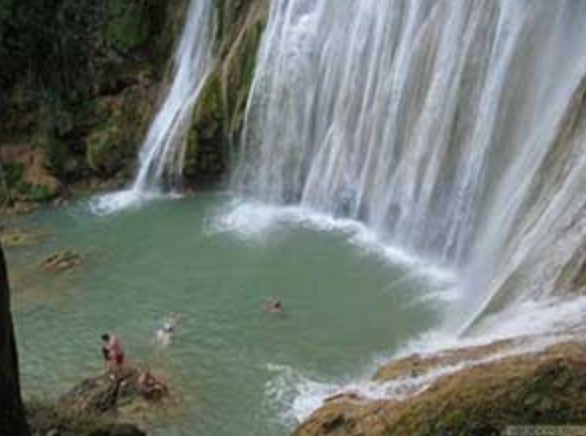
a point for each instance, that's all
(98, 394)
(109, 393)
(58, 202)
(417, 364)
(62, 261)
(17, 208)
(37, 184)
(218, 115)
(526, 389)
(118, 430)
(52, 419)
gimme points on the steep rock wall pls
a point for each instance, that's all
(77, 89)
(81, 82)
(219, 113)
(12, 420)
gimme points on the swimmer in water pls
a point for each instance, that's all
(164, 333)
(274, 307)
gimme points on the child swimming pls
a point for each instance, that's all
(165, 332)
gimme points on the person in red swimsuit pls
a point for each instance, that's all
(112, 352)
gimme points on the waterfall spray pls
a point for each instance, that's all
(162, 153)
(434, 122)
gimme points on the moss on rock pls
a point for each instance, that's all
(61, 160)
(47, 419)
(25, 177)
(112, 146)
(219, 113)
(205, 150)
(239, 73)
(82, 97)
(126, 27)
(544, 388)
(88, 116)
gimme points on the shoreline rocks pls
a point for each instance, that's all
(109, 393)
(103, 405)
(547, 387)
(49, 419)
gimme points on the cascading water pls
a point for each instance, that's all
(161, 156)
(162, 153)
(454, 128)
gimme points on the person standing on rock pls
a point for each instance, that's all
(112, 352)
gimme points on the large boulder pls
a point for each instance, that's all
(96, 407)
(110, 393)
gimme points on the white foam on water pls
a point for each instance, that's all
(250, 221)
(293, 395)
(298, 395)
(536, 317)
(535, 326)
(548, 320)
(115, 202)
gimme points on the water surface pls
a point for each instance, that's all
(238, 370)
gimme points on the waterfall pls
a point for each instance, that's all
(162, 153)
(161, 157)
(453, 128)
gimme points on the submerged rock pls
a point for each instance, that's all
(62, 261)
(547, 388)
(19, 237)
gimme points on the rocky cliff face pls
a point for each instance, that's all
(80, 80)
(77, 89)
(219, 114)
(12, 421)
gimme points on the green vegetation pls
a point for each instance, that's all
(77, 85)
(79, 80)
(219, 114)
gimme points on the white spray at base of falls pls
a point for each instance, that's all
(162, 153)
(296, 394)
(453, 128)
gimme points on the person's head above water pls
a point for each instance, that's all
(275, 306)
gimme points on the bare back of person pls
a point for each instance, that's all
(112, 351)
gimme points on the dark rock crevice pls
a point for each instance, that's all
(12, 418)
